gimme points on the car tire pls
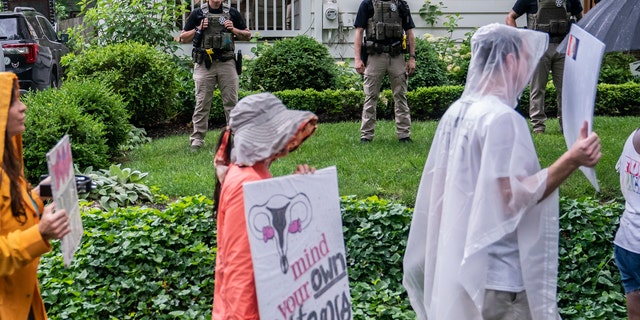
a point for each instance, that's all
(53, 80)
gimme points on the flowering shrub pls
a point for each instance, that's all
(455, 56)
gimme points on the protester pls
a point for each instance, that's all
(483, 242)
(627, 240)
(27, 225)
(261, 130)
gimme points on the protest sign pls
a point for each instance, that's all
(297, 246)
(65, 194)
(580, 81)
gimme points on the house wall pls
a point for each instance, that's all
(473, 14)
(338, 34)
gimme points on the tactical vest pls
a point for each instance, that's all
(384, 29)
(216, 36)
(552, 17)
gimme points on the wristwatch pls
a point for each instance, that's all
(414, 56)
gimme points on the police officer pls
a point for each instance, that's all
(553, 17)
(213, 53)
(389, 35)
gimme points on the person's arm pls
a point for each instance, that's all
(636, 140)
(578, 16)
(511, 18)
(411, 64)
(521, 188)
(54, 224)
(186, 36)
(577, 12)
(241, 34)
(237, 26)
(194, 21)
(357, 45)
(584, 152)
(20, 247)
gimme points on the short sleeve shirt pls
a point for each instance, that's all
(196, 16)
(365, 11)
(628, 235)
(531, 7)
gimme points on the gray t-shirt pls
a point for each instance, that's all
(505, 272)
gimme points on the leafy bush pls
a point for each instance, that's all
(135, 138)
(589, 285)
(248, 63)
(108, 22)
(136, 263)
(50, 115)
(347, 77)
(455, 54)
(142, 263)
(615, 68)
(300, 62)
(142, 75)
(375, 233)
(429, 68)
(186, 92)
(94, 98)
(618, 99)
(117, 187)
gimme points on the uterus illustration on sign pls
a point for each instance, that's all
(279, 218)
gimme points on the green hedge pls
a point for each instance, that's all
(158, 263)
(136, 263)
(145, 78)
(589, 285)
(50, 115)
(429, 103)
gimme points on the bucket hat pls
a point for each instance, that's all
(264, 128)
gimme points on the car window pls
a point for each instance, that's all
(47, 28)
(9, 28)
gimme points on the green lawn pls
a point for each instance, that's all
(384, 167)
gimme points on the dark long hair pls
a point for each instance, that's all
(12, 166)
(227, 157)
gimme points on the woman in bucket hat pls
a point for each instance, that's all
(261, 129)
(26, 225)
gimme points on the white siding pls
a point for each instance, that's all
(338, 34)
(473, 14)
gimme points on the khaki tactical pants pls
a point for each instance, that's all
(377, 66)
(551, 61)
(224, 75)
(501, 305)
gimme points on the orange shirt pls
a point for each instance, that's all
(235, 289)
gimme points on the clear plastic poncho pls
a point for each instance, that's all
(482, 181)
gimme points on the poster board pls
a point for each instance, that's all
(583, 58)
(297, 246)
(65, 194)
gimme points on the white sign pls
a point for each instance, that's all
(580, 81)
(635, 68)
(65, 194)
(297, 246)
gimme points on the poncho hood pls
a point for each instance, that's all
(7, 80)
(503, 59)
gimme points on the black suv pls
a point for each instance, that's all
(32, 49)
